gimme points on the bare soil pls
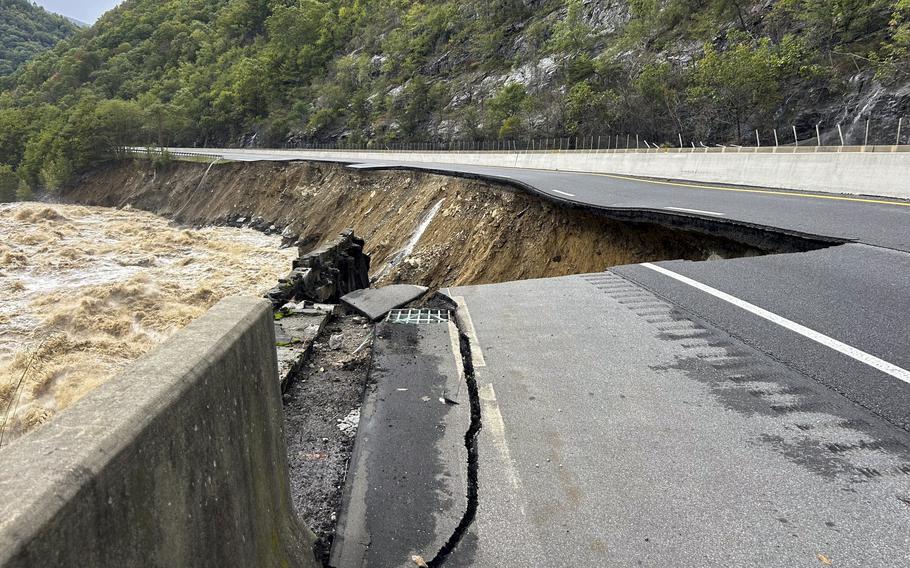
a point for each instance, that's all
(482, 233)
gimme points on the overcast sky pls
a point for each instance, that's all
(85, 10)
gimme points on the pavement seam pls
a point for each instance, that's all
(471, 444)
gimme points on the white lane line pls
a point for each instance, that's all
(468, 327)
(843, 348)
(496, 428)
(715, 213)
(563, 193)
(453, 392)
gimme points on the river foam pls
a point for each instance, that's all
(86, 290)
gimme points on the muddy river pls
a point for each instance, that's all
(86, 290)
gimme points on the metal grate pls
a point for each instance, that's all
(417, 317)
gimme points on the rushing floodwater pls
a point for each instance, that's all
(86, 290)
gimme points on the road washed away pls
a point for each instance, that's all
(86, 290)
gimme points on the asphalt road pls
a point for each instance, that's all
(748, 411)
(878, 221)
(619, 430)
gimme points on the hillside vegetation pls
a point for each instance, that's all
(378, 72)
(26, 30)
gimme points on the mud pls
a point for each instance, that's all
(479, 233)
(86, 290)
(328, 389)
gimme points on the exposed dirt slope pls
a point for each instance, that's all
(481, 233)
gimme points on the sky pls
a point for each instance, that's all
(84, 10)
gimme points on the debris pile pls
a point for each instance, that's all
(325, 274)
(349, 423)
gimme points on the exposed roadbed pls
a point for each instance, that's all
(325, 391)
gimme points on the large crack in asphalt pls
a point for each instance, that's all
(470, 442)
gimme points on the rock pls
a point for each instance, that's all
(325, 274)
(349, 423)
(336, 341)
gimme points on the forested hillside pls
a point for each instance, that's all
(374, 72)
(26, 30)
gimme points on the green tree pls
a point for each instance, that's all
(506, 111)
(24, 192)
(9, 183)
(832, 22)
(27, 30)
(589, 111)
(892, 62)
(572, 35)
(738, 86)
(117, 124)
(657, 100)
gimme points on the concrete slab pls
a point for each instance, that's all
(632, 434)
(294, 337)
(375, 303)
(407, 489)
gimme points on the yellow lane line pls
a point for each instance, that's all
(766, 191)
(712, 187)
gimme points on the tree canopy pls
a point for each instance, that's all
(26, 30)
(378, 72)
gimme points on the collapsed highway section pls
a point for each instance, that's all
(629, 419)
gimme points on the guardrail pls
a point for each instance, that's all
(697, 150)
(157, 152)
(872, 170)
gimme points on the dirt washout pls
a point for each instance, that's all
(474, 232)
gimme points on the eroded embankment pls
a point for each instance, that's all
(472, 231)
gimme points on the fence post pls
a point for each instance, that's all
(776, 144)
(900, 122)
(680, 139)
(840, 133)
(818, 135)
(636, 141)
(795, 137)
(866, 140)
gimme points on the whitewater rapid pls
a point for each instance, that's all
(86, 290)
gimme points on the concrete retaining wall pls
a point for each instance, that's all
(179, 461)
(872, 170)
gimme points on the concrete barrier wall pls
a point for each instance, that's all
(179, 461)
(874, 170)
